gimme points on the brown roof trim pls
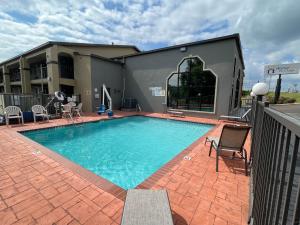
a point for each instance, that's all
(51, 43)
(235, 36)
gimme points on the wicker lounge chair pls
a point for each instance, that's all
(242, 117)
(147, 207)
(232, 139)
(13, 112)
(39, 111)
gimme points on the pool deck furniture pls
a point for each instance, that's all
(147, 207)
(67, 111)
(232, 139)
(39, 111)
(175, 113)
(13, 112)
(78, 110)
(243, 117)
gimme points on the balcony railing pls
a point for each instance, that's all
(38, 73)
(15, 75)
(275, 168)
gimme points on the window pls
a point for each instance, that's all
(37, 89)
(16, 89)
(15, 74)
(237, 90)
(192, 87)
(66, 66)
(67, 90)
(232, 85)
(1, 89)
(1, 76)
(38, 70)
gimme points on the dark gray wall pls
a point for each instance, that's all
(152, 70)
(110, 74)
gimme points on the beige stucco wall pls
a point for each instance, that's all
(82, 75)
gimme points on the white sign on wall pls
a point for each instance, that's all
(157, 91)
(292, 68)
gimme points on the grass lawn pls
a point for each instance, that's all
(289, 95)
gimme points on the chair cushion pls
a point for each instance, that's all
(147, 207)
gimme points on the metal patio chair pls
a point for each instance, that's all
(147, 207)
(78, 110)
(13, 112)
(232, 139)
(243, 117)
(39, 111)
(67, 111)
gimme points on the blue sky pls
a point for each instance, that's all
(269, 29)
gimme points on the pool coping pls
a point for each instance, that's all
(103, 183)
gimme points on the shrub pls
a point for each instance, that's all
(281, 100)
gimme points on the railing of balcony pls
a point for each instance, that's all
(275, 168)
(38, 72)
(15, 75)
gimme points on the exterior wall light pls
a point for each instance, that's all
(260, 89)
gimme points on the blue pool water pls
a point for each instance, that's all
(124, 151)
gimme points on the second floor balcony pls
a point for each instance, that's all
(15, 75)
(38, 71)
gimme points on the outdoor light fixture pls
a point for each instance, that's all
(252, 94)
(260, 89)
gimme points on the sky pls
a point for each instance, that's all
(269, 29)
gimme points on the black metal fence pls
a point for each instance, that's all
(275, 168)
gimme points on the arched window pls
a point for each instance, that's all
(66, 66)
(192, 87)
(237, 90)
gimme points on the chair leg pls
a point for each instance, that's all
(217, 160)
(210, 148)
(246, 163)
(34, 119)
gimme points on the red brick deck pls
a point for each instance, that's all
(39, 187)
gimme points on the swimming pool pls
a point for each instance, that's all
(124, 151)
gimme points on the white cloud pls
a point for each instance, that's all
(269, 29)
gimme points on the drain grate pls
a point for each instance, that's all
(37, 152)
(187, 157)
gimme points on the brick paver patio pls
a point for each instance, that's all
(39, 187)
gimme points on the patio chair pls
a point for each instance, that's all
(78, 110)
(13, 112)
(57, 106)
(67, 111)
(39, 111)
(232, 139)
(242, 117)
(147, 207)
